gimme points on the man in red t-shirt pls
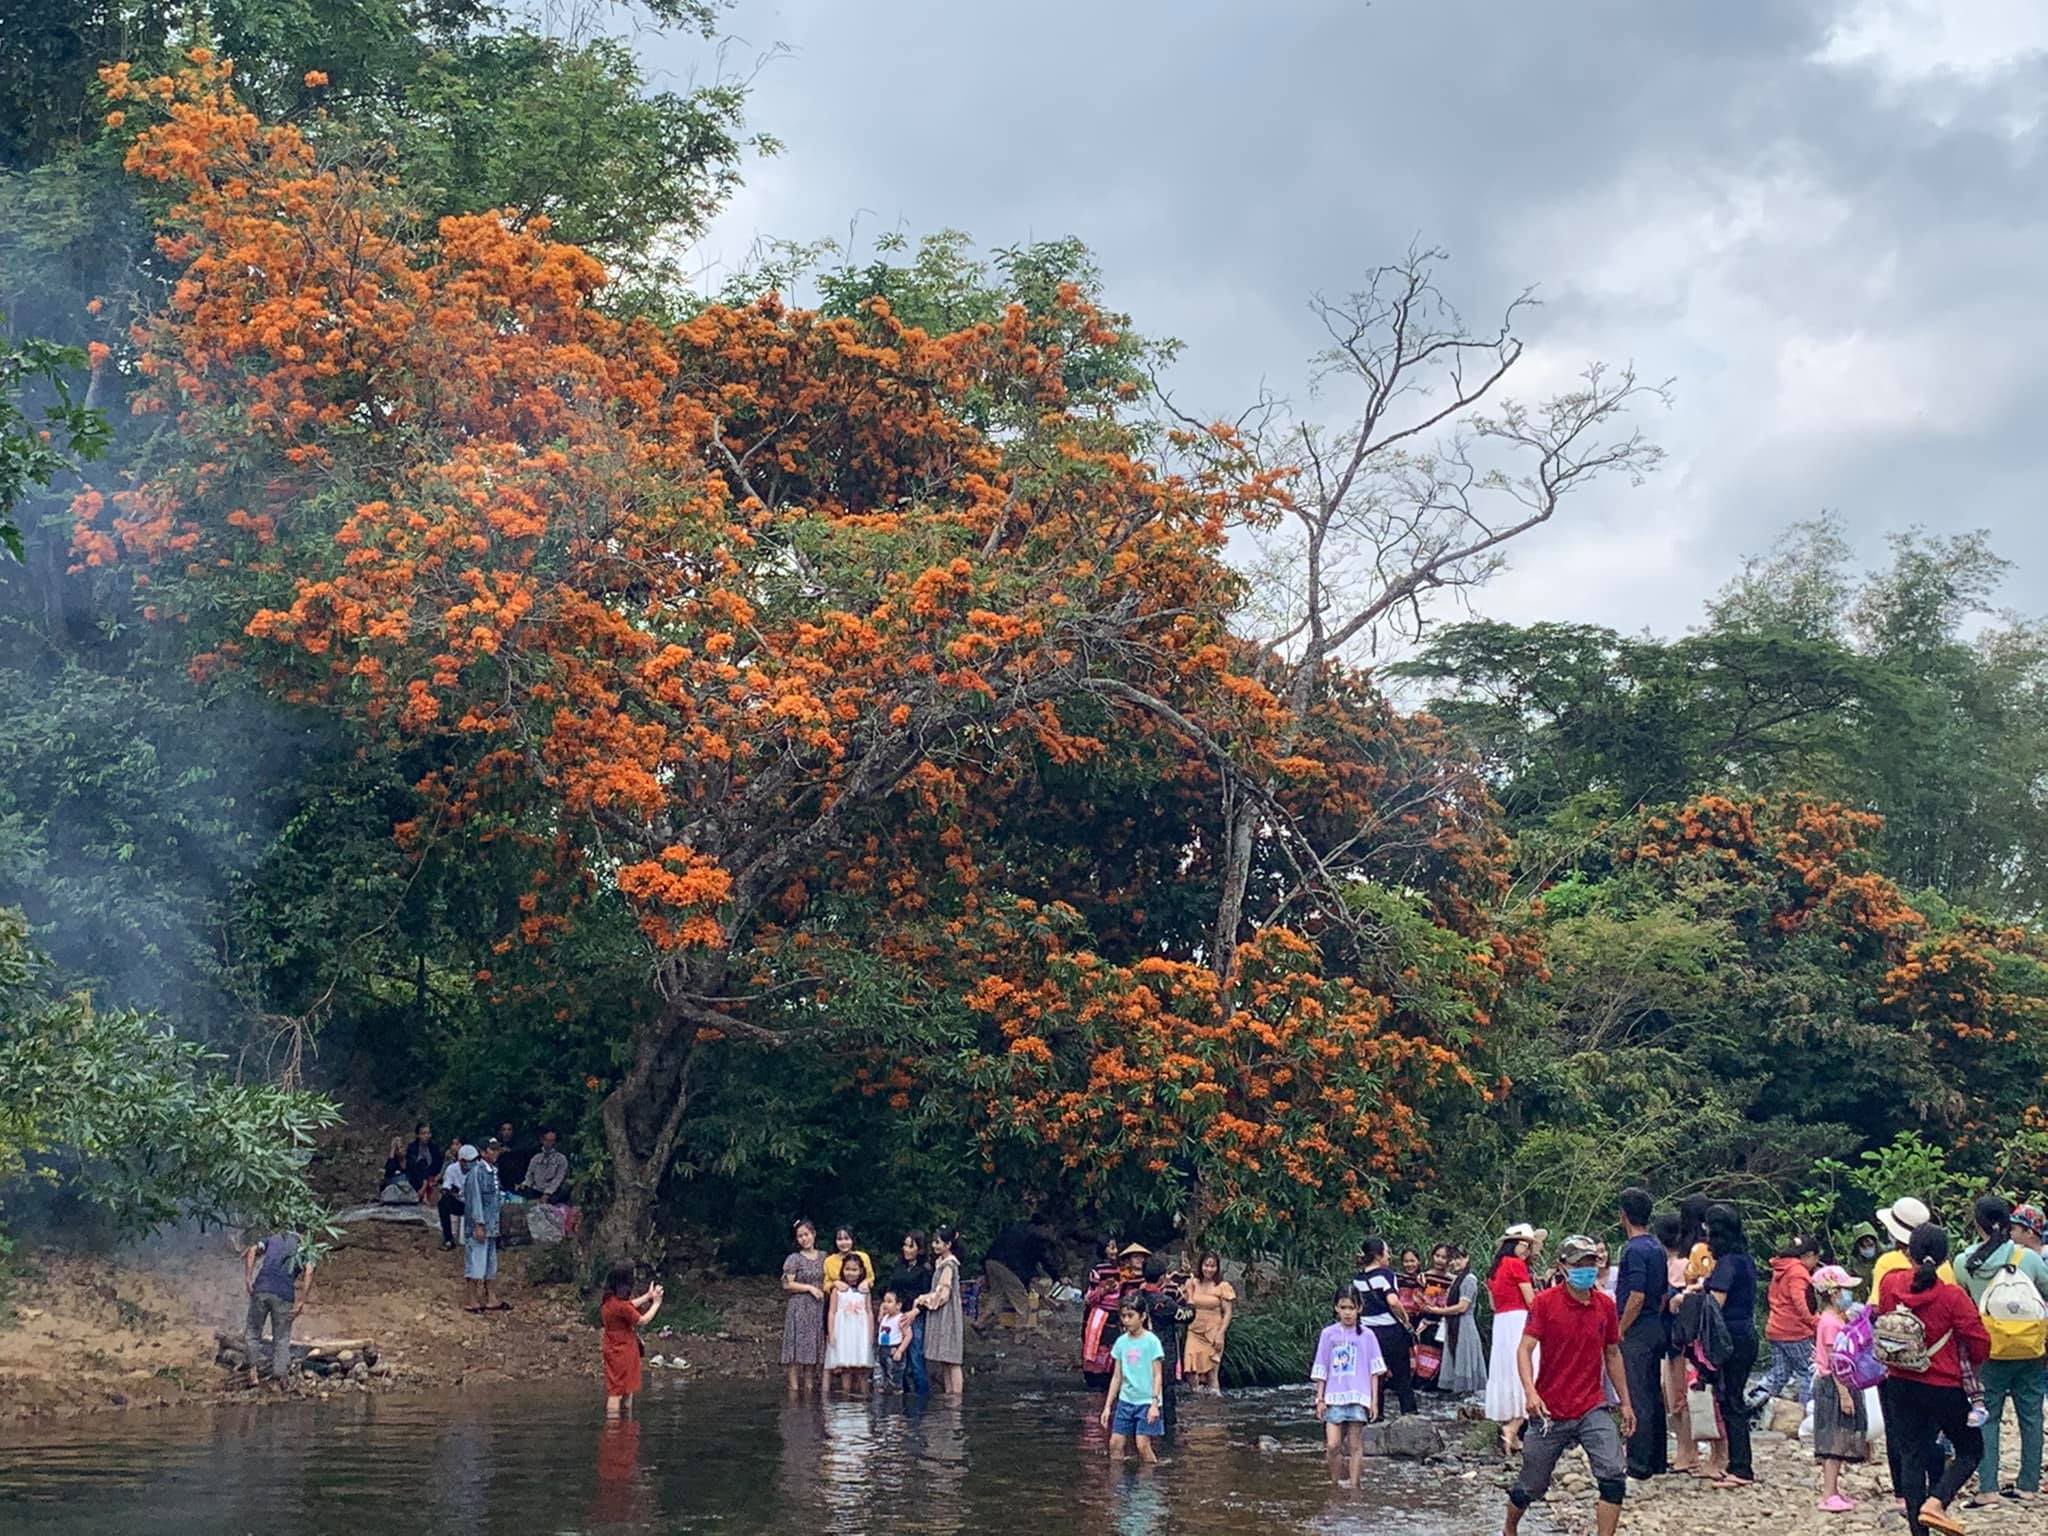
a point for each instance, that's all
(1580, 1339)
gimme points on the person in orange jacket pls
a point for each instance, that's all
(1792, 1322)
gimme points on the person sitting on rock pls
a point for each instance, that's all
(547, 1174)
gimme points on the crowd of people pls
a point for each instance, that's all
(1654, 1357)
(1639, 1362)
(468, 1184)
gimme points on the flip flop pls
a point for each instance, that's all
(1947, 1524)
(474, 1309)
(498, 1306)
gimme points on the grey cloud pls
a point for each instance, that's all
(1839, 262)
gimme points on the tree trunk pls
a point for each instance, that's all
(642, 1118)
(1240, 822)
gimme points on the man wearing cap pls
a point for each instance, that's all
(453, 1177)
(1576, 1331)
(481, 1199)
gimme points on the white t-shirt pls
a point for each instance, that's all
(451, 1179)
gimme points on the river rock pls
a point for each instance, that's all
(1408, 1439)
(1268, 1444)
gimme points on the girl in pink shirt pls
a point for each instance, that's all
(1841, 1431)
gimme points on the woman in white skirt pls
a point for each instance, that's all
(850, 1328)
(1511, 1290)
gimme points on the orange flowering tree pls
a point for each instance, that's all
(869, 670)
(682, 608)
(1888, 1012)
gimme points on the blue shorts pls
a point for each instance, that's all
(1346, 1413)
(1136, 1419)
(480, 1259)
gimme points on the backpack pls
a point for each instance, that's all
(1899, 1340)
(1855, 1352)
(2014, 1315)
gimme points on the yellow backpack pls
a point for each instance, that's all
(2014, 1314)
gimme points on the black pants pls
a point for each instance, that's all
(1731, 1392)
(1393, 1343)
(1642, 1365)
(450, 1207)
(1914, 1414)
(1894, 1446)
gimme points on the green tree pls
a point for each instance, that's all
(157, 1131)
(36, 448)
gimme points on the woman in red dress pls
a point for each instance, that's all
(622, 1316)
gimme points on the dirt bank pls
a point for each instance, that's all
(137, 1331)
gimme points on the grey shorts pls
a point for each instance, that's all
(1596, 1434)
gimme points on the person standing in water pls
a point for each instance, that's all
(1347, 1371)
(621, 1316)
(1135, 1406)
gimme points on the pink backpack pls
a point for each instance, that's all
(1855, 1353)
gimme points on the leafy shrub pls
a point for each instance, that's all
(1273, 1340)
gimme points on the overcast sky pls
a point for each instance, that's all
(1823, 218)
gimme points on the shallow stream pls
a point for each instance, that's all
(539, 1460)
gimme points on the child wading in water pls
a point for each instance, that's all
(850, 1328)
(1841, 1430)
(622, 1316)
(1137, 1386)
(892, 1342)
(1347, 1371)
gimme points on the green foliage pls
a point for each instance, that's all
(157, 1130)
(38, 445)
(1273, 1339)
(1903, 689)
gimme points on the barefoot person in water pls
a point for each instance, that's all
(1137, 1387)
(622, 1316)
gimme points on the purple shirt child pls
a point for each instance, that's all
(1347, 1360)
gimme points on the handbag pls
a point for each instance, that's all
(1706, 1423)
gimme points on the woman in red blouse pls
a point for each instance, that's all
(1511, 1288)
(622, 1316)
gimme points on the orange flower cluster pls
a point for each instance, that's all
(1812, 853)
(1115, 1077)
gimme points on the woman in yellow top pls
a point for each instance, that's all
(842, 1245)
(1899, 1219)
(1213, 1298)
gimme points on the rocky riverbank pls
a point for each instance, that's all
(1782, 1500)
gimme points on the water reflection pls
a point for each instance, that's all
(620, 1498)
(711, 1458)
(1139, 1501)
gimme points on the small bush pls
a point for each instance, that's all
(552, 1264)
(1273, 1341)
(690, 1314)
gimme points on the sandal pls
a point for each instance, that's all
(497, 1306)
(1725, 1481)
(1943, 1522)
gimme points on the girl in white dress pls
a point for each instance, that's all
(850, 1328)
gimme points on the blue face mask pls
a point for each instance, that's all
(1582, 1277)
